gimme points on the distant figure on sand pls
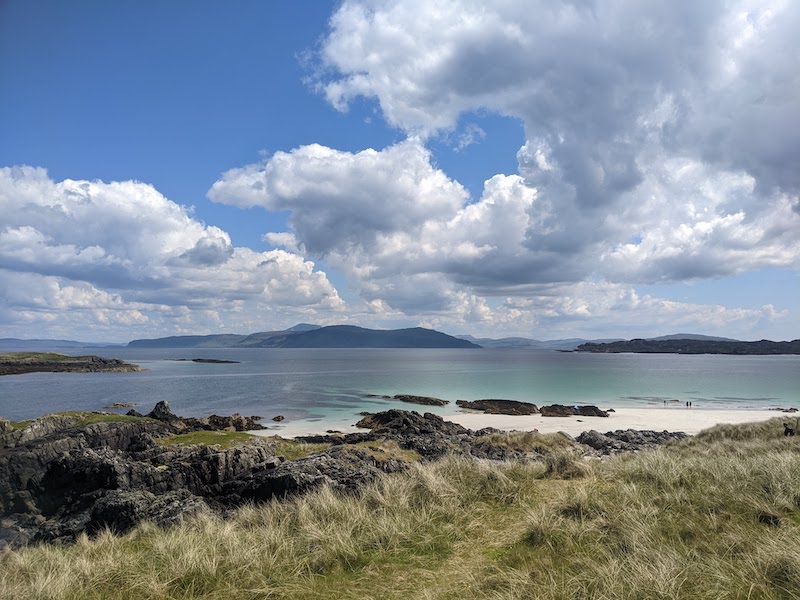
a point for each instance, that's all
(788, 430)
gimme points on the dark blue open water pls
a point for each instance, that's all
(323, 385)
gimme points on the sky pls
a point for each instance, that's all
(518, 168)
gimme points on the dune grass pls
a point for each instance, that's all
(528, 441)
(715, 516)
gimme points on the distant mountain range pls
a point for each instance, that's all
(306, 335)
(312, 336)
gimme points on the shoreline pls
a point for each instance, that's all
(687, 420)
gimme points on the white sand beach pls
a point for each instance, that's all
(688, 420)
(672, 418)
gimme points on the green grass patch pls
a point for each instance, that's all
(17, 425)
(292, 450)
(223, 439)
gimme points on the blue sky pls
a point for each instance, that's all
(547, 170)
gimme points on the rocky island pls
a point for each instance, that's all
(211, 361)
(693, 346)
(16, 363)
(499, 407)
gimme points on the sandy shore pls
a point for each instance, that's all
(689, 420)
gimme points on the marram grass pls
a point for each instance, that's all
(717, 516)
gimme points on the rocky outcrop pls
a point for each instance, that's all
(235, 422)
(410, 423)
(344, 468)
(560, 410)
(628, 440)
(60, 476)
(499, 407)
(71, 478)
(162, 412)
(424, 400)
(121, 510)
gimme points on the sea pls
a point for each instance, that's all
(328, 388)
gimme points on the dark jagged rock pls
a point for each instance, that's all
(424, 400)
(499, 407)
(162, 412)
(560, 410)
(121, 510)
(25, 459)
(628, 440)
(591, 411)
(54, 472)
(429, 435)
(234, 422)
(278, 418)
(410, 422)
(343, 468)
(557, 410)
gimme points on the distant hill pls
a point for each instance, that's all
(20, 344)
(305, 335)
(528, 343)
(349, 336)
(694, 346)
(693, 336)
(223, 340)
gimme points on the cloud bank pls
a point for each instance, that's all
(659, 149)
(123, 259)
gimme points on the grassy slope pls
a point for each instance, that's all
(712, 517)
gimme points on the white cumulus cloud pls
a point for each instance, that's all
(123, 250)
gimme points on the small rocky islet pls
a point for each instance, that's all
(66, 474)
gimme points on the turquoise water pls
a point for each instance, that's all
(329, 385)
